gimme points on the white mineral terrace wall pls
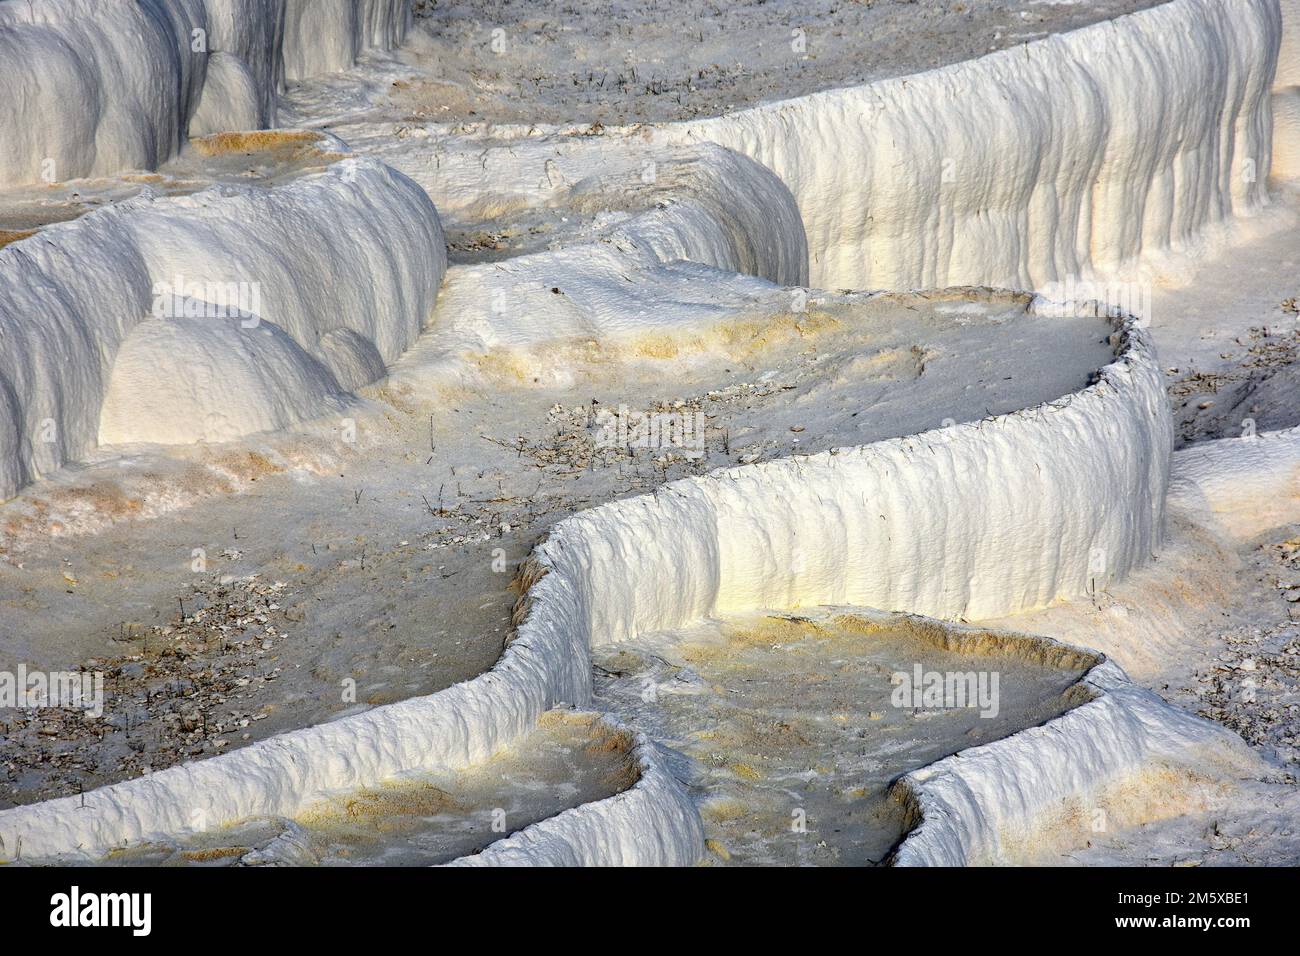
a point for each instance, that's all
(94, 87)
(1245, 486)
(1068, 156)
(1286, 96)
(712, 218)
(973, 803)
(325, 36)
(974, 521)
(653, 822)
(84, 359)
(983, 519)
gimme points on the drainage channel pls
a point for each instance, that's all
(793, 726)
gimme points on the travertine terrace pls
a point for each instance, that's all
(355, 423)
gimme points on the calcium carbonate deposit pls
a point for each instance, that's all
(760, 434)
(795, 726)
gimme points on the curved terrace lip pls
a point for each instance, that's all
(907, 787)
(299, 154)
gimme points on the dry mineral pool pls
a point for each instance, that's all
(792, 726)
